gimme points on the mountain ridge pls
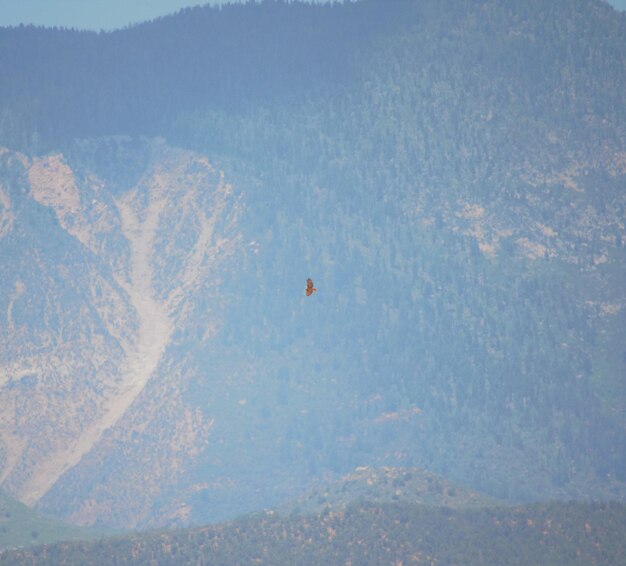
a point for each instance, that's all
(378, 486)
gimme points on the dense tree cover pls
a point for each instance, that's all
(557, 533)
(557, 63)
(386, 485)
(449, 174)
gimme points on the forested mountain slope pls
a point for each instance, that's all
(450, 173)
(380, 486)
(557, 533)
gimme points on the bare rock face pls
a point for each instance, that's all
(107, 282)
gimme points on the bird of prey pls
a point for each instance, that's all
(309, 287)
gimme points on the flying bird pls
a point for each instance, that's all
(309, 287)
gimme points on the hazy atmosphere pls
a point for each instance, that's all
(108, 14)
(313, 283)
(88, 14)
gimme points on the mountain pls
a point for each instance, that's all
(449, 173)
(556, 533)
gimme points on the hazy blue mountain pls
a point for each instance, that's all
(450, 173)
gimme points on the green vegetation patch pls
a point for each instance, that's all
(20, 526)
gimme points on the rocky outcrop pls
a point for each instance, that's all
(134, 264)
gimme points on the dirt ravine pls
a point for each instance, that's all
(143, 354)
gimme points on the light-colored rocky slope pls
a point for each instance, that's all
(71, 376)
